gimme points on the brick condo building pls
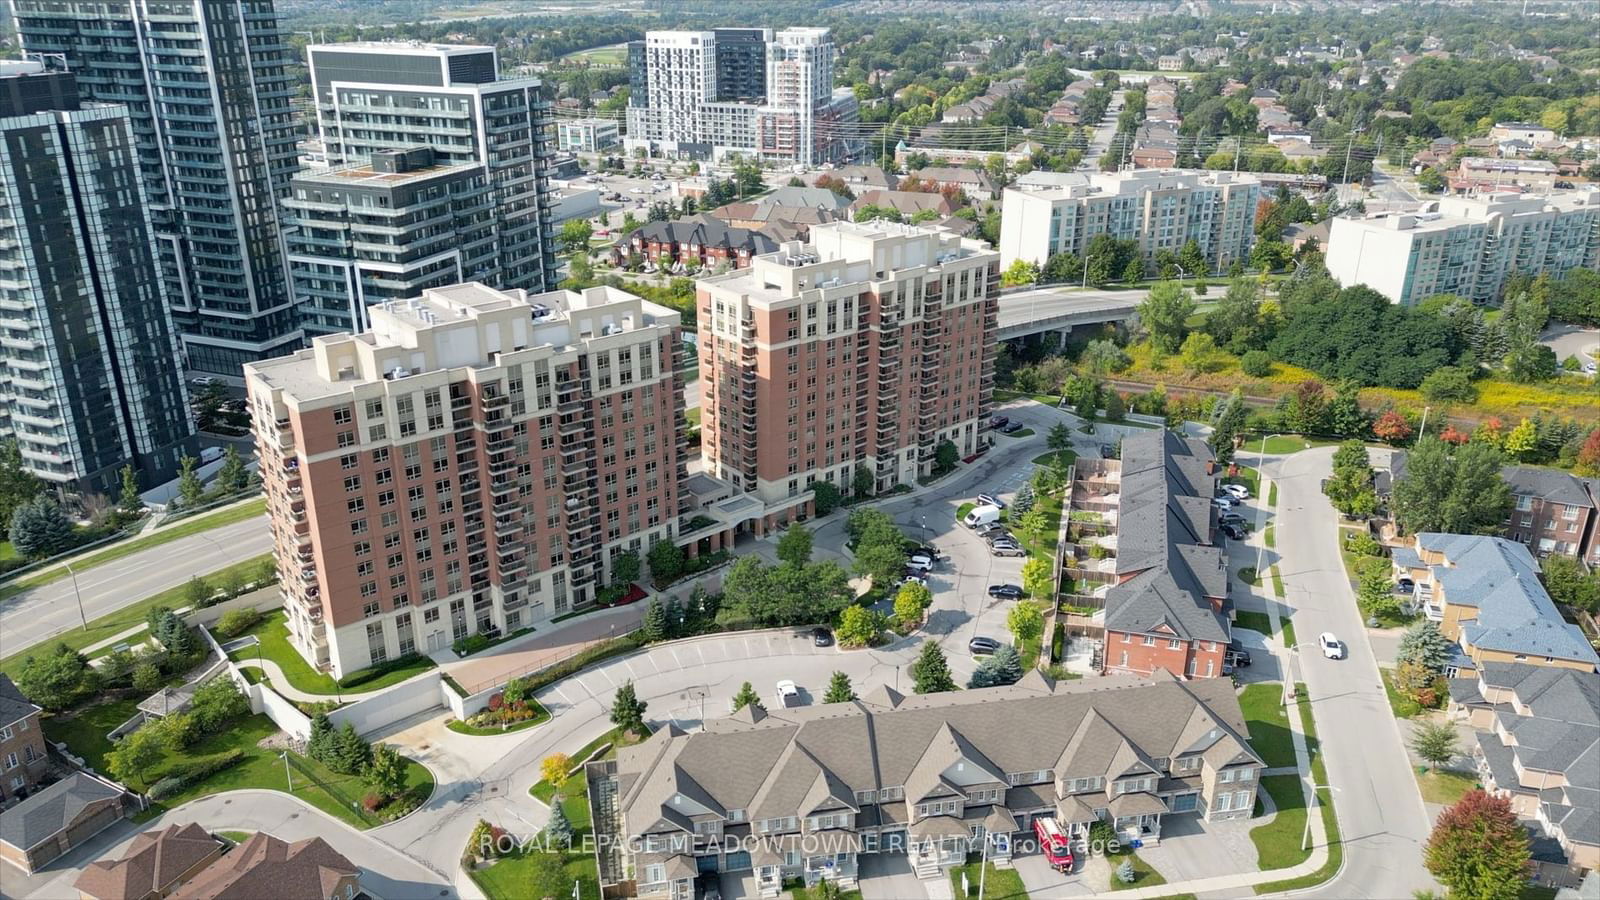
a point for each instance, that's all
(473, 462)
(1160, 572)
(867, 347)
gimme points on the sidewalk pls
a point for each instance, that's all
(550, 644)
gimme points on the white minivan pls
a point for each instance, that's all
(981, 515)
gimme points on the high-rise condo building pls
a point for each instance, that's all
(395, 95)
(750, 91)
(1468, 246)
(91, 375)
(208, 93)
(475, 461)
(385, 230)
(1162, 209)
(867, 348)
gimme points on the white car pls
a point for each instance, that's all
(1237, 491)
(788, 694)
(1331, 646)
(921, 560)
(1222, 502)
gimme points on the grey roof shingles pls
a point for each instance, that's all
(1550, 485)
(14, 707)
(51, 810)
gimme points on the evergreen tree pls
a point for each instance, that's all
(930, 673)
(1125, 872)
(40, 529)
(673, 613)
(558, 831)
(129, 503)
(232, 478)
(1023, 500)
(839, 689)
(320, 745)
(1230, 418)
(1425, 645)
(190, 491)
(1004, 666)
(350, 754)
(387, 772)
(655, 621)
(747, 696)
(627, 710)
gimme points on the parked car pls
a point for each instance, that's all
(982, 646)
(1005, 549)
(921, 559)
(1005, 591)
(913, 579)
(982, 515)
(1332, 648)
(1237, 491)
(1237, 654)
(1222, 502)
(788, 694)
(1011, 427)
(999, 536)
(991, 500)
(1233, 518)
(1234, 532)
(998, 421)
(1405, 586)
(210, 454)
(821, 637)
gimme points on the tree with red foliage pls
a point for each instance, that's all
(1478, 850)
(1393, 428)
(835, 184)
(1589, 455)
(1451, 435)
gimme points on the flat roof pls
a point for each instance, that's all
(364, 174)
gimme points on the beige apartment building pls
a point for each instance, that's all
(869, 347)
(473, 462)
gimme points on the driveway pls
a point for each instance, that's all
(888, 876)
(1571, 340)
(1192, 848)
(1043, 881)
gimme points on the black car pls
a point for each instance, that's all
(1233, 519)
(999, 536)
(1405, 586)
(1011, 427)
(982, 646)
(1237, 654)
(998, 421)
(1234, 532)
(1005, 591)
(821, 637)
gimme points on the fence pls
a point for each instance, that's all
(478, 694)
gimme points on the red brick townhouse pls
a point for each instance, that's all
(1160, 570)
(703, 240)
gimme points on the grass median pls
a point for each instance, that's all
(130, 616)
(272, 633)
(185, 528)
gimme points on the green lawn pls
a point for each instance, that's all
(509, 877)
(692, 416)
(130, 616)
(1270, 538)
(1278, 842)
(7, 551)
(1288, 624)
(1005, 395)
(1026, 432)
(802, 893)
(1403, 707)
(1248, 477)
(86, 731)
(998, 884)
(1444, 786)
(1330, 821)
(184, 528)
(263, 769)
(1277, 583)
(238, 837)
(1278, 445)
(1143, 875)
(1057, 458)
(273, 633)
(1255, 621)
(1043, 546)
(1272, 496)
(963, 509)
(540, 716)
(1264, 714)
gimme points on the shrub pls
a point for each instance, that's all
(237, 622)
(1256, 364)
(356, 679)
(371, 802)
(186, 774)
(470, 644)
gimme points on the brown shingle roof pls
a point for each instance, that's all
(152, 864)
(266, 866)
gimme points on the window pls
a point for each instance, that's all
(1225, 776)
(1224, 802)
(5, 733)
(1149, 640)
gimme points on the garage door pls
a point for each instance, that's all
(737, 862)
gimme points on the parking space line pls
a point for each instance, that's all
(607, 676)
(676, 658)
(564, 698)
(629, 664)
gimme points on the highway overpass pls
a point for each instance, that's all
(1045, 310)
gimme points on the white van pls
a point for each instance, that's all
(981, 515)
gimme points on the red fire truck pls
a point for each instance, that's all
(1054, 843)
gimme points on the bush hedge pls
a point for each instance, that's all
(356, 679)
(185, 774)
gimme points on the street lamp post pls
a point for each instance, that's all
(79, 594)
(1261, 549)
(286, 774)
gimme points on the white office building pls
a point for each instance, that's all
(750, 91)
(587, 135)
(1162, 209)
(1467, 246)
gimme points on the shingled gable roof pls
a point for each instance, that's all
(153, 862)
(1547, 484)
(1164, 524)
(867, 746)
(266, 866)
(704, 231)
(946, 750)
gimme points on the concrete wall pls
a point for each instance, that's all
(393, 704)
(264, 599)
(263, 700)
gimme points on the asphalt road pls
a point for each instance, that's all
(1029, 306)
(1381, 816)
(41, 613)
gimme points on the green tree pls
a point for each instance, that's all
(1025, 620)
(1256, 363)
(350, 754)
(625, 568)
(39, 528)
(1435, 743)
(794, 547)
(1164, 315)
(128, 502)
(863, 483)
(547, 877)
(1350, 488)
(1478, 850)
(839, 689)
(1126, 873)
(1567, 582)
(197, 592)
(666, 561)
(1020, 272)
(747, 696)
(1116, 409)
(232, 477)
(1450, 384)
(946, 456)
(858, 627)
(1425, 645)
(1004, 666)
(1375, 588)
(826, 497)
(1060, 437)
(1230, 418)
(1193, 260)
(57, 679)
(1459, 492)
(190, 491)
(147, 677)
(558, 831)
(1102, 357)
(627, 710)
(908, 604)
(386, 774)
(1521, 440)
(135, 754)
(17, 484)
(654, 626)
(575, 235)
(320, 745)
(218, 702)
(930, 673)
(1199, 353)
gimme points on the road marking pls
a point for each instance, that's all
(629, 664)
(675, 656)
(564, 698)
(607, 676)
(701, 652)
